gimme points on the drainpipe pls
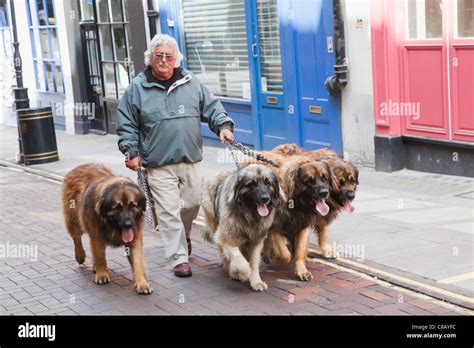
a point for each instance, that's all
(336, 83)
(152, 18)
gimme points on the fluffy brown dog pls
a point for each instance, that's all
(343, 185)
(110, 209)
(306, 185)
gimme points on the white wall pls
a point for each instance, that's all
(357, 114)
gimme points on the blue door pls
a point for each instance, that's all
(319, 121)
(271, 121)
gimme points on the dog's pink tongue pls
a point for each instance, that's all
(127, 235)
(348, 207)
(262, 209)
(322, 207)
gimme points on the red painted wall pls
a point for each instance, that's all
(421, 87)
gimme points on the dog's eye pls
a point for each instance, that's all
(251, 183)
(323, 178)
(266, 181)
(118, 207)
(312, 180)
(341, 182)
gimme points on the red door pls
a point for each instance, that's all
(461, 51)
(437, 69)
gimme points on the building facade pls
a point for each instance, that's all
(423, 68)
(269, 62)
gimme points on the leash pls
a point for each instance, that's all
(248, 152)
(143, 183)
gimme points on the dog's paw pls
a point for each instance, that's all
(304, 276)
(101, 278)
(329, 253)
(80, 256)
(241, 273)
(259, 286)
(143, 288)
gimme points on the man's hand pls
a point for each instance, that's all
(226, 133)
(134, 164)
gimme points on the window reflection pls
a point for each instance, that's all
(424, 19)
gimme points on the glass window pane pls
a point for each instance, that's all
(116, 10)
(54, 43)
(465, 18)
(3, 14)
(43, 34)
(59, 78)
(50, 9)
(119, 40)
(216, 45)
(122, 78)
(424, 19)
(49, 77)
(269, 36)
(106, 43)
(39, 76)
(87, 10)
(103, 11)
(109, 79)
(41, 12)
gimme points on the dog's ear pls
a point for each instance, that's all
(102, 206)
(142, 203)
(356, 173)
(277, 189)
(239, 184)
(292, 179)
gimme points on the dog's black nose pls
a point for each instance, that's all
(265, 199)
(350, 195)
(323, 192)
(127, 223)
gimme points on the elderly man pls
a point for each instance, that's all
(159, 126)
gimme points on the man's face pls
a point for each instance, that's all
(163, 62)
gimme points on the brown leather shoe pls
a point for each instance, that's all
(190, 247)
(182, 270)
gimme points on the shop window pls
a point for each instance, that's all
(424, 19)
(115, 49)
(216, 45)
(45, 46)
(465, 18)
(269, 39)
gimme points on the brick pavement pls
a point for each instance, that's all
(30, 214)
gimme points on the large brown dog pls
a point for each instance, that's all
(110, 209)
(343, 185)
(306, 185)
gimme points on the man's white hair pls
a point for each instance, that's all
(163, 40)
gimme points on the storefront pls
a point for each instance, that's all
(423, 67)
(267, 61)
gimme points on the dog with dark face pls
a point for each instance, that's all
(306, 186)
(344, 179)
(343, 185)
(239, 209)
(110, 209)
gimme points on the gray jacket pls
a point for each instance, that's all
(164, 127)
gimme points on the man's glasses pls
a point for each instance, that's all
(160, 57)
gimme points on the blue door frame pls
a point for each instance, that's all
(305, 114)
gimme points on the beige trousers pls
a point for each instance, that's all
(176, 190)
